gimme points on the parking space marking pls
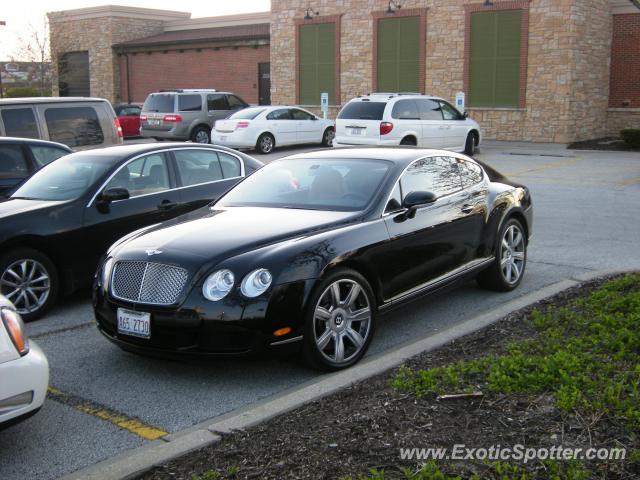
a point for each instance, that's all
(132, 425)
(542, 167)
(628, 182)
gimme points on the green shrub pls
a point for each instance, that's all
(19, 92)
(631, 136)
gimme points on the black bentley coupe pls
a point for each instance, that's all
(56, 225)
(309, 250)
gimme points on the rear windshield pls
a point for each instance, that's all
(362, 111)
(247, 113)
(159, 102)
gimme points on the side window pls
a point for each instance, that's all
(281, 114)
(20, 122)
(197, 166)
(449, 112)
(395, 201)
(235, 103)
(74, 126)
(300, 114)
(12, 162)
(189, 103)
(44, 155)
(217, 101)
(438, 175)
(470, 172)
(230, 165)
(405, 110)
(429, 109)
(142, 176)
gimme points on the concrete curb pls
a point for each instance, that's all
(136, 462)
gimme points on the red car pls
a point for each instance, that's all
(129, 118)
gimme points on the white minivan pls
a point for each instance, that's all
(406, 119)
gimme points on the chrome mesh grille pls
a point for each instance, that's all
(146, 282)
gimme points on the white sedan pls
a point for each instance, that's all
(24, 370)
(267, 127)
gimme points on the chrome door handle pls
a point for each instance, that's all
(467, 208)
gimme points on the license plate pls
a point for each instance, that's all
(356, 131)
(154, 123)
(223, 138)
(137, 324)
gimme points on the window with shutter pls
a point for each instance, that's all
(398, 49)
(317, 62)
(494, 59)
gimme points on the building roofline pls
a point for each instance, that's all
(221, 21)
(620, 7)
(118, 11)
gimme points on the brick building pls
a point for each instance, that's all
(537, 70)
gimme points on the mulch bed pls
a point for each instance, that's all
(605, 143)
(364, 426)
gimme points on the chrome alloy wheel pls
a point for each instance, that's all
(266, 144)
(342, 321)
(329, 135)
(512, 254)
(202, 137)
(27, 284)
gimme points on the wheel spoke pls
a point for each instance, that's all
(360, 315)
(323, 341)
(339, 348)
(352, 295)
(515, 271)
(517, 239)
(323, 314)
(354, 336)
(41, 278)
(33, 295)
(8, 283)
(14, 274)
(508, 272)
(11, 294)
(335, 294)
(510, 234)
(518, 256)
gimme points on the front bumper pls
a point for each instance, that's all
(233, 326)
(26, 374)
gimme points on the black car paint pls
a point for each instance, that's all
(75, 234)
(299, 247)
(25, 144)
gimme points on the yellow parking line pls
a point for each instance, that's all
(85, 406)
(629, 181)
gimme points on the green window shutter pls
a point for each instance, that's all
(494, 60)
(398, 61)
(317, 68)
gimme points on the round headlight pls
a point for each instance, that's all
(218, 284)
(256, 283)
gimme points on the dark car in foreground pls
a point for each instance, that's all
(56, 225)
(20, 157)
(308, 250)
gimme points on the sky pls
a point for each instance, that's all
(20, 20)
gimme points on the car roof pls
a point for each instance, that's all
(381, 96)
(28, 100)
(125, 151)
(400, 155)
(33, 141)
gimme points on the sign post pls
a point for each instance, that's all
(324, 104)
(460, 101)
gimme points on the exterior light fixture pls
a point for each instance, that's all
(393, 6)
(310, 13)
(488, 3)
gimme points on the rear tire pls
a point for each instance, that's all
(470, 144)
(327, 137)
(408, 141)
(340, 320)
(201, 135)
(507, 270)
(29, 279)
(266, 143)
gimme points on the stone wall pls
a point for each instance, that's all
(621, 118)
(96, 35)
(567, 63)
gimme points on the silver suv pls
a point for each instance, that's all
(406, 119)
(183, 114)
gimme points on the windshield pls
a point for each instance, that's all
(159, 102)
(313, 184)
(247, 113)
(362, 111)
(65, 179)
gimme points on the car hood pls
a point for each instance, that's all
(226, 232)
(14, 206)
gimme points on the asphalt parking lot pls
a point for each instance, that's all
(104, 402)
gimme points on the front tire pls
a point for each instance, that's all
(201, 135)
(507, 270)
(339, 321)
(265, 143)
(29, 280)
(470, 144)
(327, 137)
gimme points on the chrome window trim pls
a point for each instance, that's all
(95, 195)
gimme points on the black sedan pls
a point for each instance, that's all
(309, 249)
(57, 224)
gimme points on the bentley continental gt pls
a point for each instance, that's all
(309, 250)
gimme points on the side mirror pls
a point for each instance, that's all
(314, 118)
(465, 114)
(113, 194)
(417, 199)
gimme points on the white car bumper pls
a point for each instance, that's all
(346, 142)
(235, 139)
(23, 384)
